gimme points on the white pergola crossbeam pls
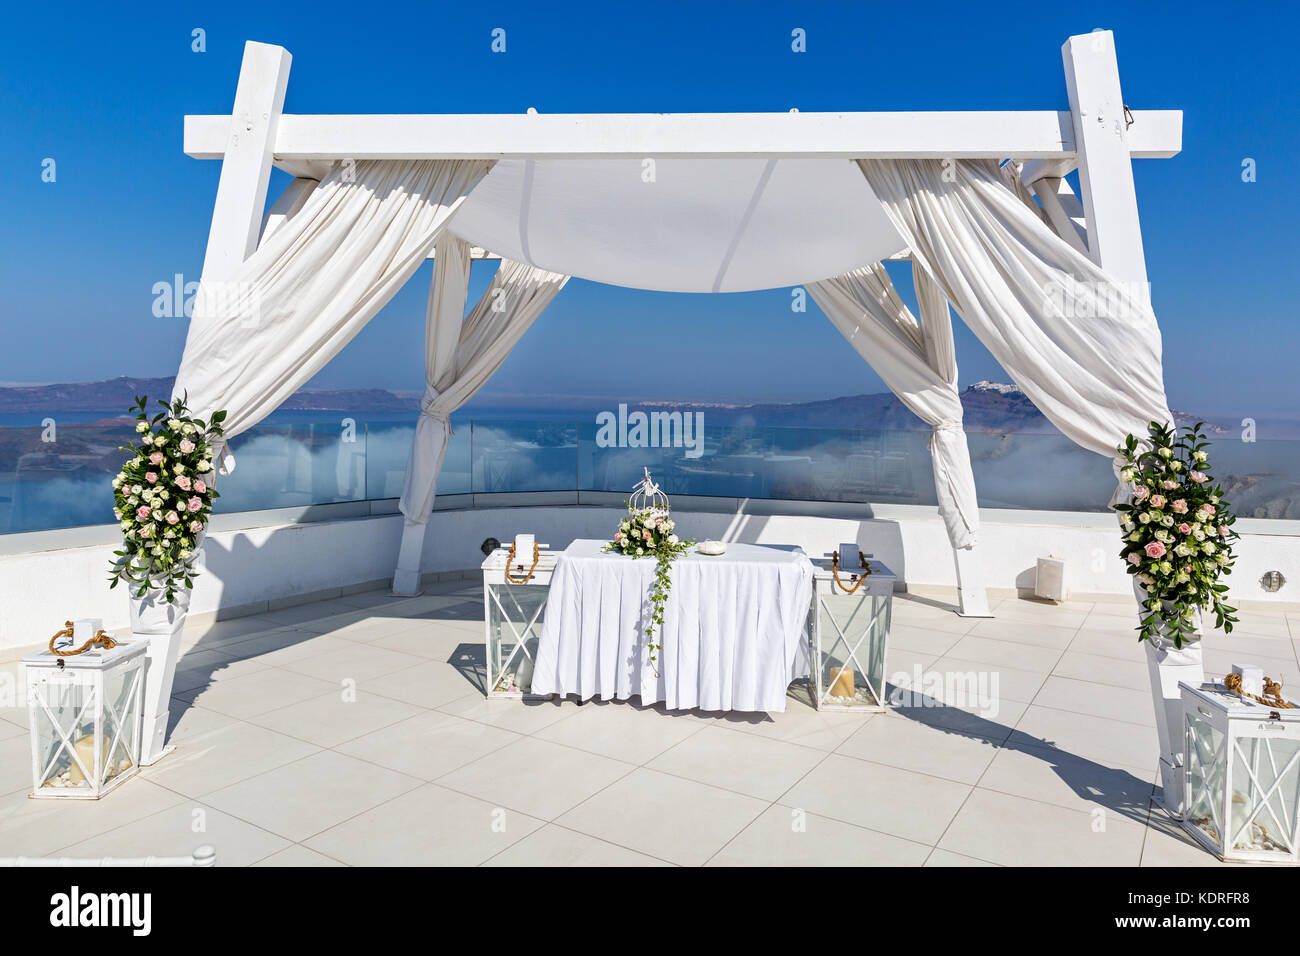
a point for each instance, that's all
(1047, 134)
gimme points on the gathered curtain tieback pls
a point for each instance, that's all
(948, 426)
(429, 408)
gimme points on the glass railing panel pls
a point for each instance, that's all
(523, 456)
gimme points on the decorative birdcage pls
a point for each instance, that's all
(84, 710)
(647, 496)
(516, 583)
(848, 632)
(1241, 773)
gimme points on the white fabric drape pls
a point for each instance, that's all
(734, 632)
(258, 336)
(1083, 347)
(918, 362)
(461, 356)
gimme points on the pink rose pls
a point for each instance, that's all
(156, 458)
(1223, 531)
(1140, 492)
(1184, 528)
(618, 535)
(1198, 476)
(200, 486)
(150, 477)
(1208, 509)
(187, 446)
(646, 534)
(1155, 550)
(1169, 484)
(182, 483)
(1180, 507)
(1157, 501)
(173, 517)
(1135, 558)
(196, 527)
(142, 512)
(194, 504)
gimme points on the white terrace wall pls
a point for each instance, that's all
(265, 565)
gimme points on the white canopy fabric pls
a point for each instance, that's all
(918, 362)
(461, 356)
(1083, 347)
(697, 225)
(258, 336)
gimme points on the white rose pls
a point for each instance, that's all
(672, 539)
(203, 466)
(178, 469)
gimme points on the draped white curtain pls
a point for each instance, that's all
(461, 356)
(1083, 347)
(259, 335)
(918, 362)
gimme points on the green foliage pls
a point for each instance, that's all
(649, 533)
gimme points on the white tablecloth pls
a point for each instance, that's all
(733, 637)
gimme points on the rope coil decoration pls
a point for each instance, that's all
(1272, 692)
(101, 639)
(835, 572)
(510, 559)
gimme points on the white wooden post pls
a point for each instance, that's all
(246, 164)
(1115, 244)
(236, 223)
(1105, 167)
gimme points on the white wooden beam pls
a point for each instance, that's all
(1102, 145)
(249, 137)
(994, 135)
(1063, 211)
(286, 206)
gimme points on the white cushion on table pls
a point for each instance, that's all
(734, 632)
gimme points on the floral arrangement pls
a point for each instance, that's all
(648, 530)
(163, 497)
(1177, 531)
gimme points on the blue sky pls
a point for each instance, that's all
(103, 93)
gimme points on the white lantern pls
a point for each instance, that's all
(85, 718)
(1241, 775)
(848, 630)
(516, 582)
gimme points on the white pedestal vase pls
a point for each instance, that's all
(1167, 665)
(152, 616)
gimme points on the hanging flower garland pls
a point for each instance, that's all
(648, 530)
(163, 498)
(1177, 531)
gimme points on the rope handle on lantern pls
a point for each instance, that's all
(835, 572)
(101, 639)
(1272, 689)
(537, 555)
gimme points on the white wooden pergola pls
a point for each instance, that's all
(1098, 135)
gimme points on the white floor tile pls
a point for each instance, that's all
(428, 826)
(902, 803)
(664, 816)
(786, 837)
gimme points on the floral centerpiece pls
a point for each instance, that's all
(163, 498)
(1177, 531)
(648, 531)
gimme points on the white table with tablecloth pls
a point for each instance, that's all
(733, 638)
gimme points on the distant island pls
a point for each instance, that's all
(989, 406)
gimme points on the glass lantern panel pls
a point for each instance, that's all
(1264, 793)
(852, 651)
(121, 719)
(64, 724)
(514, 627)
(1206, 771)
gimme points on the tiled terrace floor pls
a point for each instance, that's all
(274, 767)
